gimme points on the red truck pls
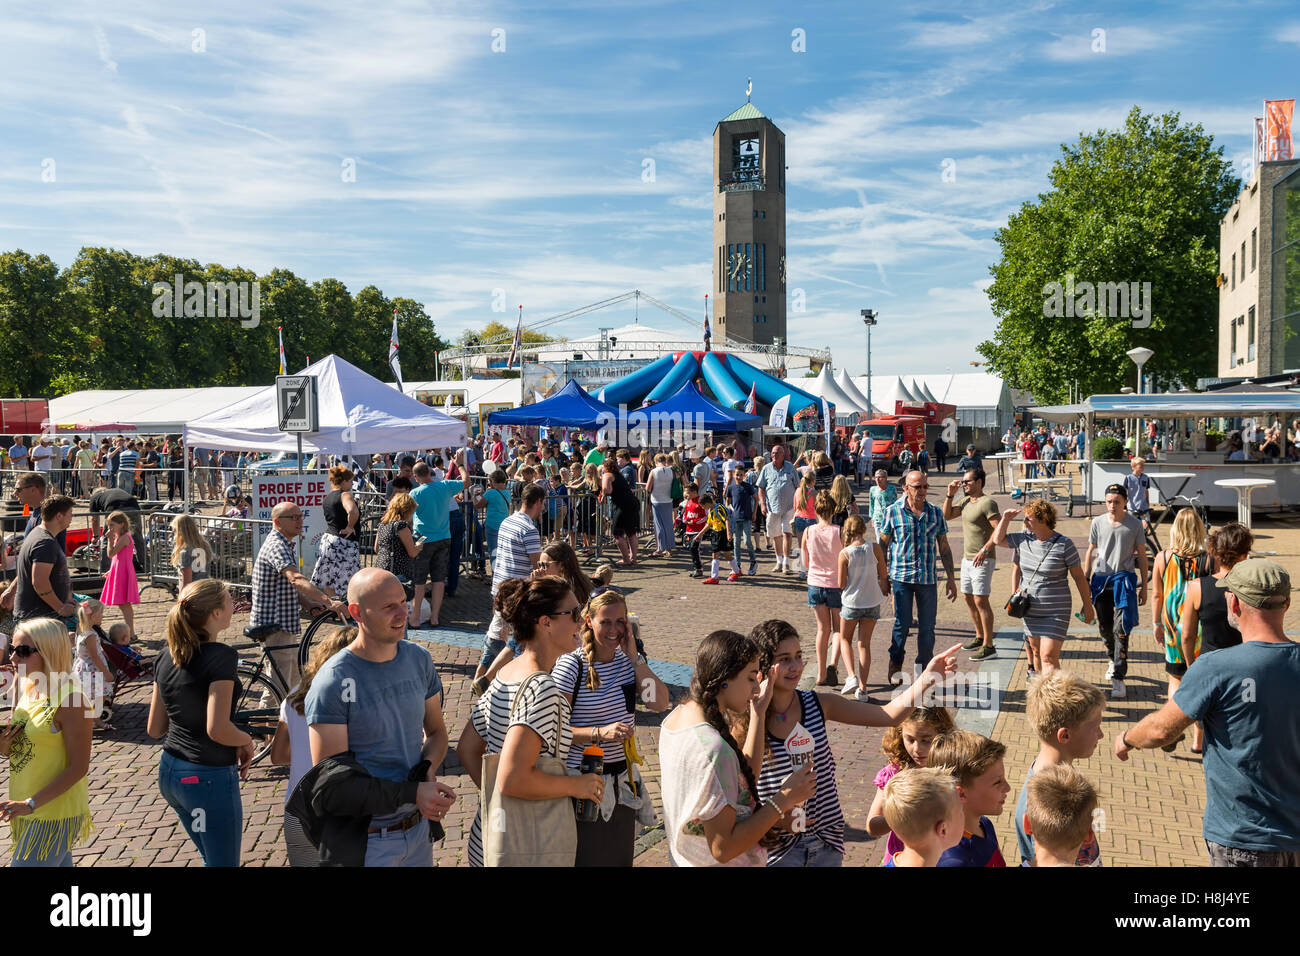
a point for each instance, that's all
(889, 435)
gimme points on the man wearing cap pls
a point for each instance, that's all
(1116, 566)
(970, 460)
(1245, 697)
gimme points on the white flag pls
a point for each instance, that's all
(393, 361)
(830, 424)
(779, 409)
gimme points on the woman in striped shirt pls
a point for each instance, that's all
(602, 681)
(544, 615)
(813, 834)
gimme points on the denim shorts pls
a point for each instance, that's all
(861, 613)
(827, 596)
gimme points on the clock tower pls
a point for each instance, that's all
(749, 228)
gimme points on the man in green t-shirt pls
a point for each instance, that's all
(979, 514)
(597, 455)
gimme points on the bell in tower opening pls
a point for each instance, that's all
(749, 228)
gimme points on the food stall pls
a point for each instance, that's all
(1207, 468)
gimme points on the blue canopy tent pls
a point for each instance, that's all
(570, 407)
(688, 408)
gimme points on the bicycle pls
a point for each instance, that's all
(262, 680)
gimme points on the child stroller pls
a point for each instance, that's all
(126, 665)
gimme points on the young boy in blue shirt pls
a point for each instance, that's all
(976, 763)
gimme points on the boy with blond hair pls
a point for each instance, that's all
(1059, 804)
(922, 807)
(976, 763)
(1065, 712)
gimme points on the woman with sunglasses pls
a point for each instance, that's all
(48, 745)
(544, 614)
(602, 681)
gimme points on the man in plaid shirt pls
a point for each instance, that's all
(913, 534)
(278, 586)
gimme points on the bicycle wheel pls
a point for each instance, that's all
(257, 708)
(312, 634)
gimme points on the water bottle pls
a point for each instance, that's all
(593, 761)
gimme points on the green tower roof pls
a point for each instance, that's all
(746, 112)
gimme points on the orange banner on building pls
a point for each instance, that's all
(1277, 129)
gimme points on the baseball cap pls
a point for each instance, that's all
(1115, 490)
(1259, 582)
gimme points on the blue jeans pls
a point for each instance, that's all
(57, 856)
(927, 606)
(206, 799)
(400, 847)
(491, 648)
(478, 547)
(810, 851)
(457, 522)
(492, 542)
(744, 538)
(800, 525)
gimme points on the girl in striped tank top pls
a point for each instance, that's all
(813, 834)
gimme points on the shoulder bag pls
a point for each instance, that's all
(1020, 602)
(519, 832)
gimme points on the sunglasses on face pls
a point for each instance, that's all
(23, 651)
(574, 612)
(543, 564)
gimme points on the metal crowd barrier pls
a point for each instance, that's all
(233, 543)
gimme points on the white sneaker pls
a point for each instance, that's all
(850, 686)
(1117, 689)
(1110, 671)
(861, 694)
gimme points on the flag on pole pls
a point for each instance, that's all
(394, 362)
(279, 331)
(751, 404)
(708, 336)
(517, 345)
(779, 411)
(830, 424)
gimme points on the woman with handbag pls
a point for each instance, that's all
(514, 745)
(1047, 560)
(602, 682)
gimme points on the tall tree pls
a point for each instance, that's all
(38, 339)
(1137, 205)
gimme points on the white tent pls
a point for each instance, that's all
(153, 411)
(922, 393)
(823, 386)
(848, 387)
(359, 414)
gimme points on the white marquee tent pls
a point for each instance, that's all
(823, 386)
(152, 411)
(848, 387)
(359, 414)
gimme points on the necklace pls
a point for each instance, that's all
(781, 716)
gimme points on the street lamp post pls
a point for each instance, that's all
(869, 319)
(1140, 356)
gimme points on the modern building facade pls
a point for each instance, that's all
(749, 228)
(1259, 275)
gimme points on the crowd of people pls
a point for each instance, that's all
(747, 775)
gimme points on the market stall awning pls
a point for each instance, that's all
(570, 407)
(1177, 405)
(689, 410)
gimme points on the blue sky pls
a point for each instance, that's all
(522, 170)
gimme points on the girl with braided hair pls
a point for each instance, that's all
(711, 810)
(603, 680)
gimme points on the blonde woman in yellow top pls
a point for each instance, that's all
(48, 746)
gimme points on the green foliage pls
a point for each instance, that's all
(1107, 448)
(1140, 204)
(93, 325)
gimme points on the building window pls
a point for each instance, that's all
(1254, 248)
(749, 267)
(1232, 360)
(1233, 271)
(1250, 334)
(762, 266)
(1243, 260)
